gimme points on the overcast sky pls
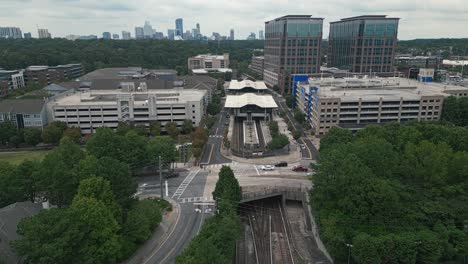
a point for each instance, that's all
(419, 19)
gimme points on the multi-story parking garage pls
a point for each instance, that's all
(353, 103)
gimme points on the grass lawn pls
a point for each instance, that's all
(18, 157)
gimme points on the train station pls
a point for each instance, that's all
(250, 110)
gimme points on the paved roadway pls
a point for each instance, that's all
(188, 186)
(212, 151)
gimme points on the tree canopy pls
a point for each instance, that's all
(395, 192)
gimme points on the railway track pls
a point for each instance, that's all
(269, 231)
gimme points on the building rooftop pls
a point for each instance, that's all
(209, 57)
(126, 74)
(239, 85)
(239, 101)
(352, 89)
(10, 216)
(364, 17)
(25, 106)
(287, 17)
(110, 97)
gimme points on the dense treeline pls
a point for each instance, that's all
(97, 219)
(443, 46)
(95, 54)
(394, 193)
(217, 240)
(455, 110)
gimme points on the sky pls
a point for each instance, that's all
(419, 19)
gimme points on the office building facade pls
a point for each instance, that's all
(354, 103)
(179, 27)
(45, 75)
(44, 33)
(106, 35)
(126, 35)
(261, 36)
(27, 35)
(292, 46)
(363, 44)
(10, 80)
(11, 32)
(115, 36)
(257, 64)
(231, 34)
(139, 33)
(208, 61)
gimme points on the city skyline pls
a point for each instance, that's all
(433, 19)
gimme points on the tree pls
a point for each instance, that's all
(278, 142)
(98, 188)
(7, 130)
(32, 136)
(117, 173)
(227, 188)
(297, 134)
(289, 100)
(187, 126)
(299, 116)
(122, 128)
(74, 133)
(15, 140)
(199, 137)
(8, 193)
(59, 177)
(141, 221)
(172, 130)
(335, 136)
(53, 132)
(274, 130)
(164, 147)
(155, 128)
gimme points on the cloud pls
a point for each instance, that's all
(419, 19)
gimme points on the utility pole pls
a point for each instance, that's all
(160, 178)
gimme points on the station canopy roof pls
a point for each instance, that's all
(257, 85)
(239, 101)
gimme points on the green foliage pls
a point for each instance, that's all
(278, 141)
(299, 117)
(155, 128)
(455, 110)
(274, 130)
(297, 134)
(187, 126)
(216, 241)
(289, 100)
(164, 147)
(7, 130)
(59, 176)
(398, 193)
(141, 221)
(199, 137)
(74, 133)
(53, 132)
(32, 136)
(159, 54)
(172, 130)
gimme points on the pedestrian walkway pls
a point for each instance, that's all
(196, 200)
(183, 186)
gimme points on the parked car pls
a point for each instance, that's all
(301, 168)
(281, 164)
(172, 174)
(268, 167)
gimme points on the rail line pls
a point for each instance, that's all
(269, 231)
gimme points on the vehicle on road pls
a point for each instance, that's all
(302, 146)
(300, 168)
(267, 167)
(281, 164)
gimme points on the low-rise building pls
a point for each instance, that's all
(92, 108)
(10, 80)
(209, 62)
(257, 64)
(353, 103)
(45, 75)
(24, 113)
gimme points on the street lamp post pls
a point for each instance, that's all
(349, 251)
(160, 178)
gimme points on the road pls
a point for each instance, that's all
(188, 186)
(309, 151)
(212, 151)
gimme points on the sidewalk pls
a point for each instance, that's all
(159, 236)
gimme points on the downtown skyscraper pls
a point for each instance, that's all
(179, 30)
(292, 46)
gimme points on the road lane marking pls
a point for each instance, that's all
(166, 239)
(255, 166)
(211, 153)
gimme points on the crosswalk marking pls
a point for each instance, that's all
(195, 199)
(185, 184)
(212, 166)
(216, 136)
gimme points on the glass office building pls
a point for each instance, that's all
(364, 44)
(292, 46)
